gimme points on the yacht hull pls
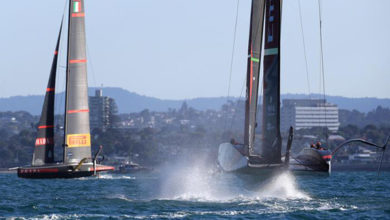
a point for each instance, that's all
(60, 171)
(311, 159)
(230, 159)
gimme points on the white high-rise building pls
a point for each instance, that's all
(101, 110)
(309, 113)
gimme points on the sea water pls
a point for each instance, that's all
(196, 192)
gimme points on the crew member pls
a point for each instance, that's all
(318, 146)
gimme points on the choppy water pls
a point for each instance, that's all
(197, 193)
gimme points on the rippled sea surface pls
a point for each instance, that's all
(197, 193)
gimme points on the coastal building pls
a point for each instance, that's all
(309, 113)
(102, 109)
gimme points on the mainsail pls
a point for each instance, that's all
(253, 71)
(271, 139)
(77, 131)
(44, 143)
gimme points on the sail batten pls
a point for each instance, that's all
(44, 143)
(253, 72)
(77, 130)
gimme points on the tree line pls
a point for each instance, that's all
(152, 146)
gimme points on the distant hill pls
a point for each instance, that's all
(133, 102)
(126, 101)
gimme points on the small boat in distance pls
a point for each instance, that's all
(77, 159)
(131, 167)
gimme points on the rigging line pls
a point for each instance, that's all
(91, 64)
(323, 70)
(305, 55)
(233, 48)
(238, 103)
(89, 59)
(59, 66)
(304, 49)
(232, 57)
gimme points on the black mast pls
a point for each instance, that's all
(271, 138)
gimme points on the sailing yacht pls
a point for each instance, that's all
(240, 157)
(77, 160)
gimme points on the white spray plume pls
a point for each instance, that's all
(199, 181)
(282, 186)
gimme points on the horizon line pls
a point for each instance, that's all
(202, 97)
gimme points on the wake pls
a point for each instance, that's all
(115, 177)
(199, 182)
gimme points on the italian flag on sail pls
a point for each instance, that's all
(76, 6)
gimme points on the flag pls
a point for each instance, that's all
(76, 6)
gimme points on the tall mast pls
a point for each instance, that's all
(253, 72)
(66, 82)
(44, 144)
(77, 131)
(271, 138)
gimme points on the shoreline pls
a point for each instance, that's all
(335, 168)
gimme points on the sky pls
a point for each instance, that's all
(182, 49)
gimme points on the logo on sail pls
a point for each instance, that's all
(43, 141)
(78, 140)
(76, 6)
